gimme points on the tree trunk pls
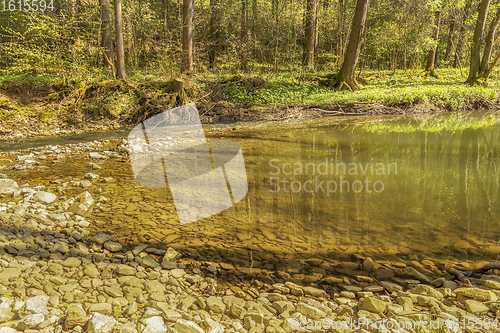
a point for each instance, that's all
(431, 55)
(461, 33)
(107, 38)
(187, 36)
(340, 32)
(345, 78)
(488, 45)
(450, 40)
(214, 32)
(244, 36)
(310, 34)
(120, 53)
(475, 55)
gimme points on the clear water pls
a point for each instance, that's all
(429, 193)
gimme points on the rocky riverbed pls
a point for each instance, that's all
(64, 270)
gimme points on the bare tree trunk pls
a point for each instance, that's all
(167, 24)
(340, 32)
(431, 55)
(120, 54)
(214, 32)
(475, 55)
(488, 45)
(107, 39)
(187, 36)
(461, 33)
(244, 36)
(450, 39)
(345, 78)
(310, 34)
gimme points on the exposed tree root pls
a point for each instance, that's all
(431, 72)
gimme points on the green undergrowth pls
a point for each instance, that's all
(394, 89)
(147, 92)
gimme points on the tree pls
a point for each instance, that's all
(345, 79)
(214, 33)
(244, 36)
(449, 44)
(438, 6)
(310, 34)
(120, 53)
(187, 36)
(431, 54)
(461, 33)
(489, 42)
(476, 74)
(107, 39)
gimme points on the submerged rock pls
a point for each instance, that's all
(8, 186)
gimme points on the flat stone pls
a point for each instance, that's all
(72, 262)
(91, 271)
(426, 290)
(102, 308)
(7, 273)
(171, 255)
(310, 311)
(113, 290)
(155, 325)
(37, 304)
(177, 273)
(31, 321)
(8, 186)
(477, 294)
(113, 246)
(332, 280)
(216, 305)
(490, 284)
(6, 313)
(391, 287)
(311, 291)
(186, 326)
(125, 270)
(45, 197)
(374, 288)
(101, 238)
(372, 305)
(171, 315)
(475, 307)
(100, 323)
(383, 274)
(75, 316)
(149, 262)
(167, 264)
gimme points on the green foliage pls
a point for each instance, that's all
(401, 89)
(116, 312)
(119, 104)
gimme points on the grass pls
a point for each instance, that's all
(403, 88)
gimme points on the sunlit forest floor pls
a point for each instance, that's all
(226, 96)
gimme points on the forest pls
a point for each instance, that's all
(128, 59)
